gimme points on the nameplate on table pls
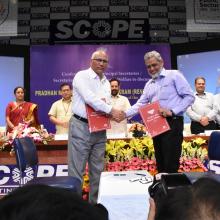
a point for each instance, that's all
(60, 137)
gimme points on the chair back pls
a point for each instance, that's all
(26, 152)
(26, 156)
(214, 146)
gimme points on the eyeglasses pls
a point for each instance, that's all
(101, 60)
(152, 65)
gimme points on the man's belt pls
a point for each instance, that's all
(80, 118)
(174, 117)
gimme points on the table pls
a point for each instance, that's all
(55, 152)
(125, 194)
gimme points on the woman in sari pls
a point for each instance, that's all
(20, 111)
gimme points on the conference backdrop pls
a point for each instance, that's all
(11, 76)
(50, 66)
(205, 64)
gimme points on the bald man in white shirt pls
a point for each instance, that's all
(90, 87)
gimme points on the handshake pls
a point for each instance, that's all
(117, 115)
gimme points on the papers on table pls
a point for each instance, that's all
(208, 132)
(59, 137)
(117, 136)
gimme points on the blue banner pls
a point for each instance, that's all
(10, 177)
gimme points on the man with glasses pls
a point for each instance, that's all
(90, 87)
(174, 94)
(61, 110)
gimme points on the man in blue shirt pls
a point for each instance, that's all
(174, 94)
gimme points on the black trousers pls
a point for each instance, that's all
(217, 126)
(197, 128)
(168, 146)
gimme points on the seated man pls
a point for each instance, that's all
(202, 112)
(61, 110)
(119, 102)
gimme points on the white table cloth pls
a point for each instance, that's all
(125, 194)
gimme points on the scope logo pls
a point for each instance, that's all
(27, 176)
(98, 30)
(10, 177)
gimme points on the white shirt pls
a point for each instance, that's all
(202, 106)
(122, 103)
(217, 105)
(61, 110)
(89, 89)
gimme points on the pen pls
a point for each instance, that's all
(119, 174)
(140, 174)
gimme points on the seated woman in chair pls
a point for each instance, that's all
(20, 111)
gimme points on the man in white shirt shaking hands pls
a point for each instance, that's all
(90, 87)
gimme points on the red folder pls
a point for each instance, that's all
(98, 121)
(154, 122)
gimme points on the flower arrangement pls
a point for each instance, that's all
(22, 130)
(2, 136)
(194, 156)
(120, 155)
(191, 164)
(120, 150)
(194, 149)
(85, 186)
(134, 164)
(137, 130)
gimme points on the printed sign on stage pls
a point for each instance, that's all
(10, 175)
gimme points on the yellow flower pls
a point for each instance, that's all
(85, 181)
(199, 141)
(120, 150)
